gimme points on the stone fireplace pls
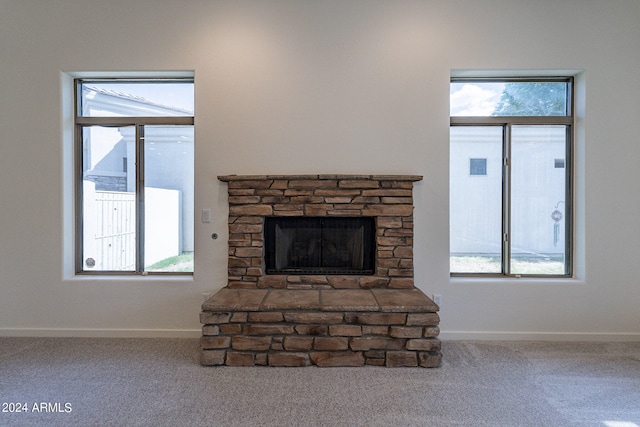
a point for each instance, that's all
(320, 271)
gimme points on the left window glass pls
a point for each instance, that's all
(136, 98)
(135, 178)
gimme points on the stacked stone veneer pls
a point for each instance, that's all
(387, 198)
(323, 320)
(381, 327)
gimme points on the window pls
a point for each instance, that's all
(134, 145)
(477, 167)
(518, 134)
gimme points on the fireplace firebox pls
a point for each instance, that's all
(319, 245)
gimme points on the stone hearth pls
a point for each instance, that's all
(323, 319)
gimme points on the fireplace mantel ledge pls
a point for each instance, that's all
(227, 178)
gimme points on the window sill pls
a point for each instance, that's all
(516, 280)
(177, 278)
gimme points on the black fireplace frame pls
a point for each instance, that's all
(367, 266)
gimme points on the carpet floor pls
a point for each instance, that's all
(159, 382)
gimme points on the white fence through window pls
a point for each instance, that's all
(110, 227)
(115, 237)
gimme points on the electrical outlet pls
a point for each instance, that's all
(437, 298)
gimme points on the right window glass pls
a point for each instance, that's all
(518, 223)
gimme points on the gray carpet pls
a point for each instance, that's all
(159, 382)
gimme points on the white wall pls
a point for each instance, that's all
(292, 86)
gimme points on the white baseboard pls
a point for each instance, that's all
(444, 335)
(539, 336)
(100, 333)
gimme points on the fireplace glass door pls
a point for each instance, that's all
(313, 245)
